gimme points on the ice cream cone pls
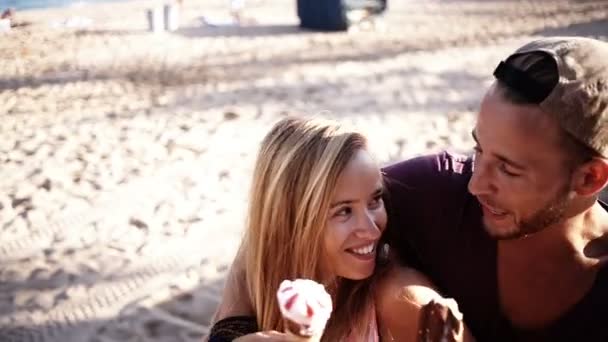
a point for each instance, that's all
(299, 333)
(306, 307)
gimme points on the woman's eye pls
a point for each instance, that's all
(344, 211)
(375, 203)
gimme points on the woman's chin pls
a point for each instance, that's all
(358, 275)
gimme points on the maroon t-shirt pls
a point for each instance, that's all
(436, 226)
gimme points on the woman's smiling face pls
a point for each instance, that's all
(356, 220)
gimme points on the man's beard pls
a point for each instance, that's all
(548, 216)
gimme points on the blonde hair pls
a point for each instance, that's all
(295, 174)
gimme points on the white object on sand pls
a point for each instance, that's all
(5, 25)
(171, 16)
(155, 19)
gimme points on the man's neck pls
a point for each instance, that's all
(541, 276)
(575, 241)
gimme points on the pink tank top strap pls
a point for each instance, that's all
(372, 331)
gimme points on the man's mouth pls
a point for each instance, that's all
(493, 210)
(496, 211)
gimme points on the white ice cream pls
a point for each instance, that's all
(306, 303)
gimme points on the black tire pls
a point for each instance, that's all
(322, 15)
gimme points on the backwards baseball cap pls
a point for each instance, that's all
(578, 93)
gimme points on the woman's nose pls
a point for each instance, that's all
(367, 227)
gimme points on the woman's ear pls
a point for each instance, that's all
(591, 177)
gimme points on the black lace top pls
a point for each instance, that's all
(230, 328)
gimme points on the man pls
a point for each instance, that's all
(516, 234)
(524, 250)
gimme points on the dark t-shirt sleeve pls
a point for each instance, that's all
(425, 200)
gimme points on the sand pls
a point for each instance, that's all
(127, 155)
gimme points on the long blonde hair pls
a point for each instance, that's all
(295, 174)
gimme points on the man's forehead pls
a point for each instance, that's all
(524, 134)
(529, 120)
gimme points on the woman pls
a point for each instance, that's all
(317, 212)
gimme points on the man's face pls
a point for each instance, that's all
(520, 176)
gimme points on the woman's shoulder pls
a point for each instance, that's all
(406, 300)
(399, 297)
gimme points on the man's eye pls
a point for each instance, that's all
(505, 169)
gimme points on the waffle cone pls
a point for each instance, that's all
(296, 331)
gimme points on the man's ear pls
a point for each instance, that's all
(591, 177)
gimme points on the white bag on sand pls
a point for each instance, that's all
(5, 25)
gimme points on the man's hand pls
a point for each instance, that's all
(440, 321)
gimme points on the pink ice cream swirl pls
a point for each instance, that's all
(306, 303)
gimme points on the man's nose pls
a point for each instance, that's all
(481, 181)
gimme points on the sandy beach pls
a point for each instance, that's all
(127, 155)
